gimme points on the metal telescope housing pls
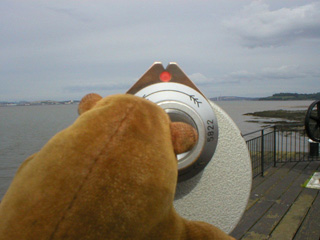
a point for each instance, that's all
(172, 90)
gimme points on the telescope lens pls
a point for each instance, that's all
(179, 116)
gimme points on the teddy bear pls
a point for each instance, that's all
(112, 174)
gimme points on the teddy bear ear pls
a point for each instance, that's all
(184, 137)
(87, 102)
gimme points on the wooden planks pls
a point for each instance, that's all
(288, 226)
(260, 204)
(280, 208)
(310, 228)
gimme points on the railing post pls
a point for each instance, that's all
(262, 152)
(275, 146)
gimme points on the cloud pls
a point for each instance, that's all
(98, 87)
(242, 74)
(279, 73)
(65, 49)
(258, 26)
(200, 79)
(232, 78)
(283, 72)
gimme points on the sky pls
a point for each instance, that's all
(64, 49)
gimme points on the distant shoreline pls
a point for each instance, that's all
(38, 103)
(293, 96)
(215, 99)
(274, 97)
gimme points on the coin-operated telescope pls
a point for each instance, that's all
(312, 127)
(215, 177)
(312, 121)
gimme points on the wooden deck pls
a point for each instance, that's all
(280, 208)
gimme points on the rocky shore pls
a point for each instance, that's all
(285, 118)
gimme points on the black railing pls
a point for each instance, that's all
(279, 144)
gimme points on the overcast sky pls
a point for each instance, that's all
(64, 49)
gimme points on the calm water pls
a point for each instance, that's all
(24, 130)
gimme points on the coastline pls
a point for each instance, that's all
(37, 103)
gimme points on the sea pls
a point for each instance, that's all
(25, 129)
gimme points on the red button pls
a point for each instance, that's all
(165, 76)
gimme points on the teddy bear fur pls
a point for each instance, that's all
(111, 175)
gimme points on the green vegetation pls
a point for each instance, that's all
(293, 96)
(297, 116)
(285, 118)
(307, 181)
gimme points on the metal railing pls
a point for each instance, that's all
(279, 144)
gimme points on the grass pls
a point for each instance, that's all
(307, 181)
(297, 116)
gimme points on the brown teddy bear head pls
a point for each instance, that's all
(110, 175)
(183, 136)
